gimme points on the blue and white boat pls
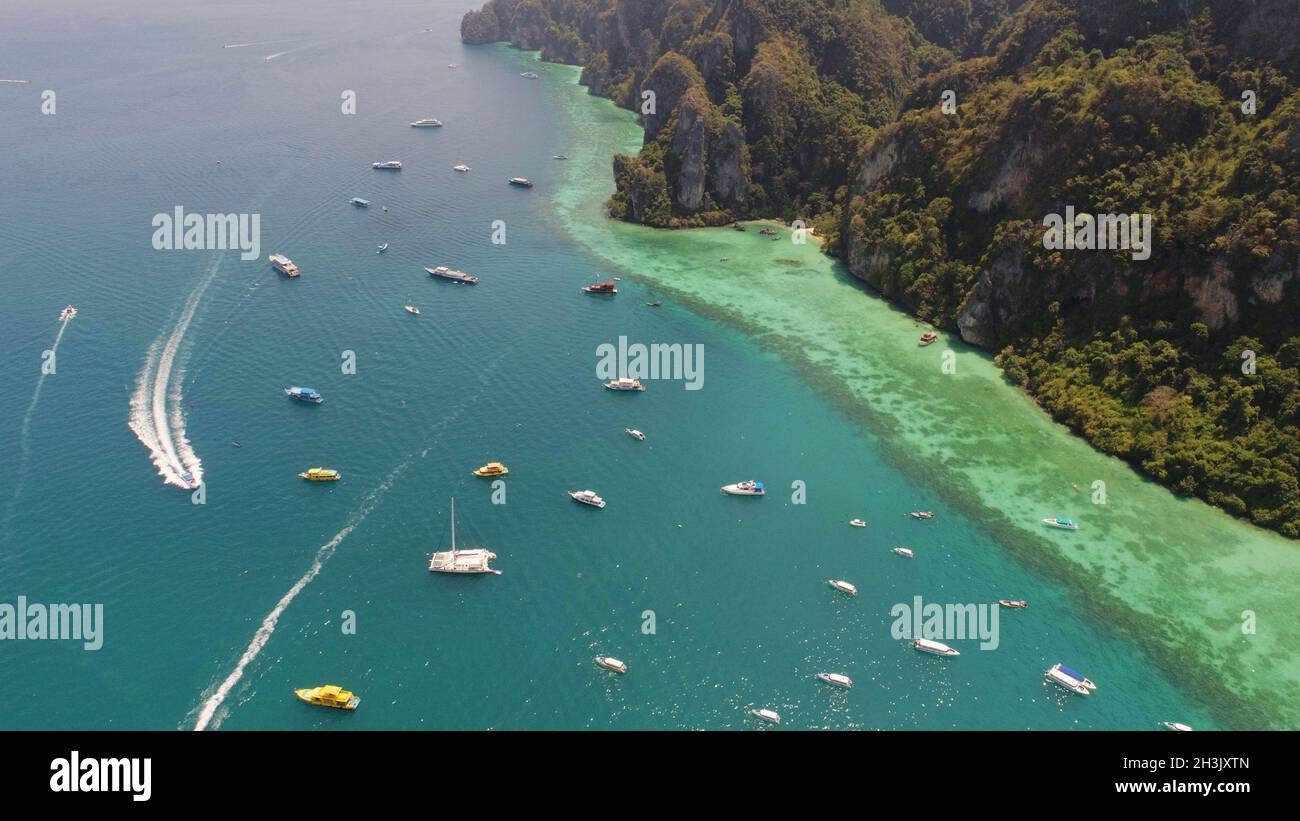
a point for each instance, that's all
(304, 395)
(1071, 680)
(746, 488)
(188, 479)
(360, 203)
(1064, 524)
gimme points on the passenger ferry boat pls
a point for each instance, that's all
(521, 182)
(937, 648)
(67, 313)
(284, 265)
(492, 469)
(928, 337)
(474, 560)
(837, 679)
(1063, 524)
(606, 287)
(331, 695)
(1071, 680)
(770, 716)
(321, 475)
(843, 586)
(858, 522)
(443, 272)
(624, 385)
(635, 434)
(387, 165)
(430, 122)
(612, 664)
(304, 395)
(748, 487)
(587, 497)
(360, 203)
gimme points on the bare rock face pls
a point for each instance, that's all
(1018, 165)
(689, 148)
(1213, 296)
(669, 81)
(479, 27)
(991, 304)
(729, 180)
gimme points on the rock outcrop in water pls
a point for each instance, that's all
(929, 140)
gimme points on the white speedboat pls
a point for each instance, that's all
(1176, 726)
(858, 522)
(843, 586)
(461, 167)
(624, 385)
(67, 313)
(451, 274)
(770, 716)
(587, 497)
(530, 75)
(611, 663)
(837, 679)
(387, 165)
(1063, 524)
(904, 551)
(634, 433)
(937, 648)
(381, 248)
(411, 309)
(1075, 682)
(429, 122)
(474, 560)
(747, 488)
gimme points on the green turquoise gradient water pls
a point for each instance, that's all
(808, 379)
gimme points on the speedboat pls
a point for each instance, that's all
(746, 488)
(843, 586)
(837, 679)
(530, 75)
(1064, 524)
(427, 123)
(460, 277)
(858, 522)
(587, 497)
(188, 479)
(521, 182)
(1014, 605)
(67, 313)
(561, 157)
(331, 695)
(304, 395)
(655, 304)
(284, 265)
(411, 309)
(472, 560)
(321, 475)
(381, 248)
(921, 514)
(387, 165)
(492, 469)
(1071, 680)
(635, 434)
(903, 551)
(624, 385)
(461, 167)
(1177, 726)
(235, 443)
(360, 203)
(606, 287)
(937, 648)
(928, 337)
(611, 663)
(770, 716)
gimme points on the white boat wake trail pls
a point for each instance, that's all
(213, 702)
(160, 430)
(24, 446)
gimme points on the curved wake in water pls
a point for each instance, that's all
(263, 634)
(162, 430)
(24, 447)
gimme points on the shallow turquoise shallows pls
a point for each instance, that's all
(215, 613)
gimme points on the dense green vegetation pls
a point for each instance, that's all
(832, 111)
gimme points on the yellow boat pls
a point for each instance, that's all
(492, 469)
(331, 695)
(321, 475)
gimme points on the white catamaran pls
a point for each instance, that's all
(461, 561)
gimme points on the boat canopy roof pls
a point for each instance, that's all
(1074, 674)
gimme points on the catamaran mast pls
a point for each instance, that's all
(453, 524)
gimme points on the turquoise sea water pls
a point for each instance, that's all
(153, 113)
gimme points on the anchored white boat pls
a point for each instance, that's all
(411, 309)
(1071, 680)
(748, 487)
(587, 497)
(624, 385)
(387, 165)
(904, 551)
(635, 434)
(1176, 726)
(429, 122)
(461, 167)
(459, 277)
(770, 716)
(937, 648)
(843, 586)
(611, 663)
(837, 679)
(474, 560)
(1064, 524)
(858, 522)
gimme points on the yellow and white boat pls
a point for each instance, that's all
(321, 475)
(492, 469)
(331, 695)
